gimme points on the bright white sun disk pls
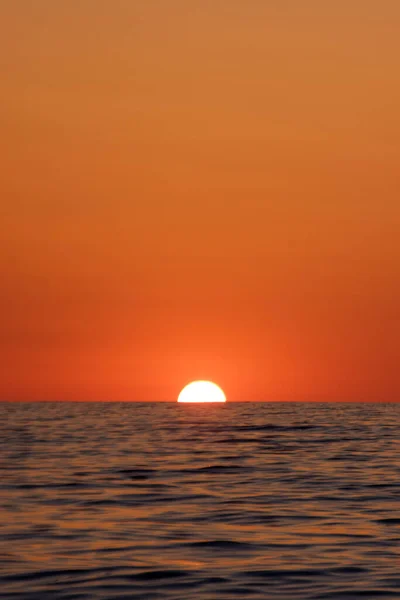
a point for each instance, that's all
(202, 391)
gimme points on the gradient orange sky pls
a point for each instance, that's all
(200, 189)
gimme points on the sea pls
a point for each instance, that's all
(154, 501)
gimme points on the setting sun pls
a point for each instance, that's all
(202, 391)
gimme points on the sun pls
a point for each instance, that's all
(201, 391)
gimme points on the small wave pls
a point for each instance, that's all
(368, 594)
(157, 575)
(135, 473)
(389, 521)
(222, 544)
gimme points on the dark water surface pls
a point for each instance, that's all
(154, 501)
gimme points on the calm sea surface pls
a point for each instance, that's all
(168, 501)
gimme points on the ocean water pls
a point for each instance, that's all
(169, 501)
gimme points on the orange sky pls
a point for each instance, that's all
(200, 189)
